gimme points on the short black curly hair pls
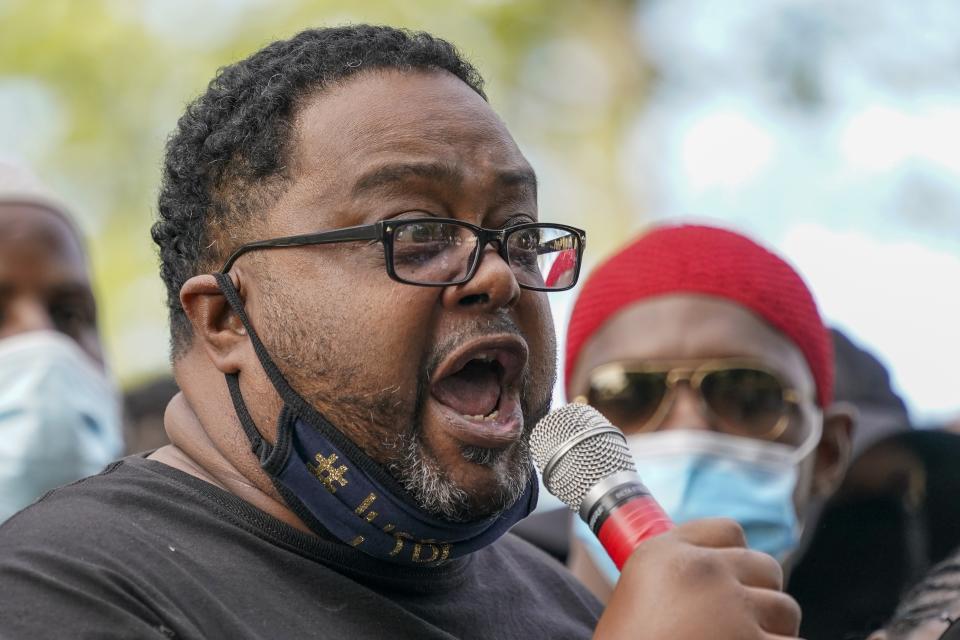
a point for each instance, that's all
(228, 154)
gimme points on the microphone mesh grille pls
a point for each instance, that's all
(584, 464)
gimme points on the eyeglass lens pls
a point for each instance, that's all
(744, 401)
(436, 253)
(433, 253)
(543, 257)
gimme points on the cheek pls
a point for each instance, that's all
(536, 322)
(385, 326)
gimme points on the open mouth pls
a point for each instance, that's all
(477, 390)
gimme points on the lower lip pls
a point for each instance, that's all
(489, 434)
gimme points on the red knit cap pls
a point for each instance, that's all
(711, 261)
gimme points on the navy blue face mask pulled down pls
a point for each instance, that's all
(332, 485)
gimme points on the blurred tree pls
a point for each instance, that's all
(565, 75)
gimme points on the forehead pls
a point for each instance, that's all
(387, 119)
(39, 237)
(688, 326)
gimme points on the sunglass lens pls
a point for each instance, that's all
(627, 399)
(745, 401)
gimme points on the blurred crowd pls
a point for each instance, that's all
(737, 401)
(62, 416)
(704, 347)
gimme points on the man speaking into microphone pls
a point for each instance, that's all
(358, 277)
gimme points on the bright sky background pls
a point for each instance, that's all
(831, 133)
(827, 129)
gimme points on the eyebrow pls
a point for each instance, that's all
(391, 174)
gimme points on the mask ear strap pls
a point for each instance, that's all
(291, 397)
(260, 447)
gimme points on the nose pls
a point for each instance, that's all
(492, 287)
(23, 314)
(686, 411)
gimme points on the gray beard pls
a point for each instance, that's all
(418, 471)
(408, 459)
(403, 453)
(420, 474)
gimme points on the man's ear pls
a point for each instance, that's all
(215, 326)
(835, 448)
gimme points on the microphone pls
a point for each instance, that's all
(585, 462)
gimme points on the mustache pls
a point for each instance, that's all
(418, 471)
(500, 324)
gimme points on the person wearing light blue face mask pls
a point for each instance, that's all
(59, 412)
(709, 352)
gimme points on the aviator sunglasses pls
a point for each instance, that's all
(742, 397)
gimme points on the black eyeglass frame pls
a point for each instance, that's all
(385, 231)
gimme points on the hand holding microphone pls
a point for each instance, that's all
(694, 582)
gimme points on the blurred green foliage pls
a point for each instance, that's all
(566, 76)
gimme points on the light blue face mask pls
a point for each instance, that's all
(704, 474)
(59, 417)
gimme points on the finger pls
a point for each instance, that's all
(776, 612)
(754, 568)
(712, 532)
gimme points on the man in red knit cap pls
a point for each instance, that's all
(709, 352)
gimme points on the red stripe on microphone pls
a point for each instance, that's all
(630, 524)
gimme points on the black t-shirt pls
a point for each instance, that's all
(145, 551)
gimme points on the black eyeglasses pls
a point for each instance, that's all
(439, 252)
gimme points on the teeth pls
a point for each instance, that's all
(489, 418)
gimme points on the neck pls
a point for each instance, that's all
(224, 461)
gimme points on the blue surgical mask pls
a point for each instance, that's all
(697, 474)
(59, 417)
